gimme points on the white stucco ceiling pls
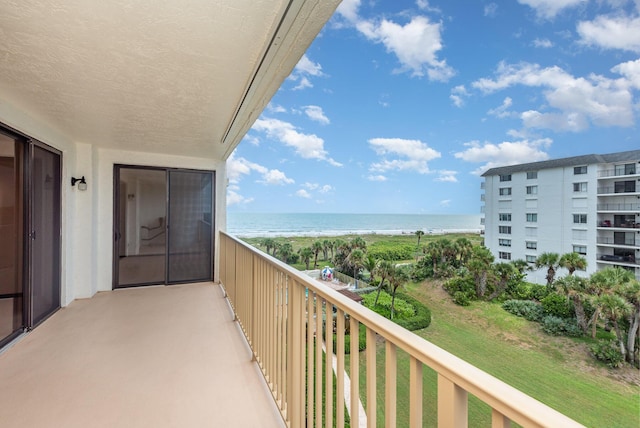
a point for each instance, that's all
(180, 77)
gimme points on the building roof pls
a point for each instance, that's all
(631, 155)
(350, 294)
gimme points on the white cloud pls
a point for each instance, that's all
(505, 153)
(377, 178)
(447, 176)
(303, 194)
(577, 101)
(458, 94)
(237, 167)
(275, 177)
(325, 189)
(307, 146)
(445, 202)
(315, 113)
(548, 9)
(631, 71)
(234, 198)
(490, 10)
(503, 110)
(611, 32)
(411, 155)
(303, 70)
(275, 108)
(415, 44)
(542, 43)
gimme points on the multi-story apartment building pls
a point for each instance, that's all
(585, 204)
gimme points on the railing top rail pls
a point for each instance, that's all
(509, 401)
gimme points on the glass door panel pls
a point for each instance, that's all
(141, 226)
(44, 234)
(11, 239)
(190, 226)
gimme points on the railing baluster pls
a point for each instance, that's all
(415, 392)
(319, 302)
(498, 420)
(371, 378)
(310, 355)
(354, 358)
(340, 369)
(390, 385)
(452, 404)
(328, 362)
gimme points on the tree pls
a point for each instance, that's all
(359, 242)
(572, 261)
(286, 250)
(549, 261)
(435, 252)
(464, 247)
(356, 261)
(326, 244)
(370, 263)
(577, 290)
(631, 292)
(419, 234)
(615, 309)
(269, 244)
(316, 247)
(305, 254)
(385, 269)
(398, 277)
(479, 266)
(603, 282)
(505, 273)
(520, 265)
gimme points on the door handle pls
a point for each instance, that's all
(32, 235)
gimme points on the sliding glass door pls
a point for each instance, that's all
(163, 226)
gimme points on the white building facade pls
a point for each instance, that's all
(585, 204)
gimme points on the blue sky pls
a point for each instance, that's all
(399, 106)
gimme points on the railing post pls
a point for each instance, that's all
(295, 353)
(452, 404)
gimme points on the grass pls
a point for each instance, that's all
(555, 371)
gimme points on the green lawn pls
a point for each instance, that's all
(552, 370)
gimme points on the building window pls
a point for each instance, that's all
(580, 219)
(506, 177)
(580, 249)
(505, 191)
(532, 190)
(530, 259)
(532, 217)
(532, 175)
(504, 229)
(580, 187)
(577, 170)
(504, 217)
(531, 231)
(532, 245)
(504, 242)
(504, 256)
(626, 169)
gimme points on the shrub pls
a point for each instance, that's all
(558, 306)
(362, 340)
(461, 298)
(608, 352)
(391, 251)
(539, 292)
(527, 309)
(462, 284)
(422, 317)
(422, 270)
(401, 308)
(557, 326)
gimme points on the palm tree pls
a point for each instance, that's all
(326, 244)
(434, 248)
(479, 265)
(286, 250)
(603, 282)
(504, 272)
(576, 289)
(316, 247)
(385, 269)
(419, 234)
(398, 277)
(359, 242)
(572, 261)
(269, 243)
(356, 260)
(631, 292)
(464, 248)
(370, 264)
(550, 261)
(520, 265)
(305, 254)
(615, 308)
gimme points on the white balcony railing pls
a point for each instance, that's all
(283, 316)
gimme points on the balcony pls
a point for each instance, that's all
(618, 207)
(627, 187)
(618, 260)
(152, 356)
(627, 242)
(629, 169)
(173, 356)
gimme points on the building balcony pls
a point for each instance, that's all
(613, 207)
(234, 354)
(626, 242)
(631, 170)
(618, 190)
(618, 260)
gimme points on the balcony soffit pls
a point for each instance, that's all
(152, 76)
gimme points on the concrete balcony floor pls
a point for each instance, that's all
(166, 356)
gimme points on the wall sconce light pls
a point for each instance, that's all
(82, 183)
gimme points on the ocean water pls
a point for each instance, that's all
(306, 224)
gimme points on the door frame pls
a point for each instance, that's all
(116, 223)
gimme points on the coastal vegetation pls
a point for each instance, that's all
(578, 335)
